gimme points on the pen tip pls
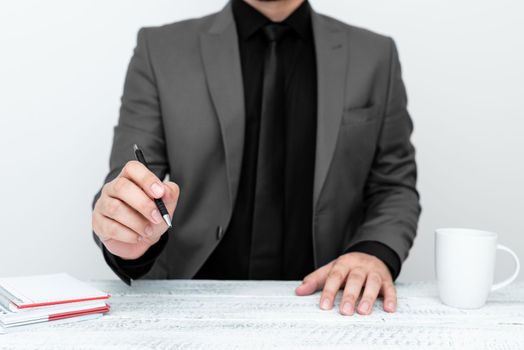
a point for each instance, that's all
(135, 147)
(167, 219)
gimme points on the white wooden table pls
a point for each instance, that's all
(267, 315)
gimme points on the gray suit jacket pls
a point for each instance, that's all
(183, 104)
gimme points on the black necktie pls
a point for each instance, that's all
(268, 215)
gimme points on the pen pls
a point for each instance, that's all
(159, 203)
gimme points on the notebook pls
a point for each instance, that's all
(5, 330)
(50, 313)
(45, 290)
(36, 299)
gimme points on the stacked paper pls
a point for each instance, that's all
(36, 299)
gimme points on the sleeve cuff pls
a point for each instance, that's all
(381, 251)
(134, 269)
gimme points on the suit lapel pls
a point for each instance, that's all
(221, 58)
(331, 55)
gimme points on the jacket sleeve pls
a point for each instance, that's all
(391, 200)
(139, 122)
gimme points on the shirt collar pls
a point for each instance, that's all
(249, 20)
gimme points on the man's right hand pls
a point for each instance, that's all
(125, 217)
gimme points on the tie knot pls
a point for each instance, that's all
(275, 31)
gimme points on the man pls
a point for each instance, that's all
(288, 134)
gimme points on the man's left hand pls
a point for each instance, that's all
(355, 273)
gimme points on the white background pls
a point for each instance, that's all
(62, 65)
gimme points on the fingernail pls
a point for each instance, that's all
(157, 218)
(347, 309)
(148, 231)
(364, 306)
(326, 304)
(158, 190)
(391, 306)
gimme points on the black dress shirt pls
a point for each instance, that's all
(230, 259)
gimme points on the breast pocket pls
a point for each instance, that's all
(360, 116)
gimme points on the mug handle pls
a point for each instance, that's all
(515, 274)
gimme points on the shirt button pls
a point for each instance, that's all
(220, 233)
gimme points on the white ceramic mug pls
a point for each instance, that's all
(465, 263)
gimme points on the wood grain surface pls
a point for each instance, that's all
(267, 315)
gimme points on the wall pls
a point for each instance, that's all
(62, 65)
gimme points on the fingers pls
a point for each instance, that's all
(109, 229)
(360, 273)
(126, 251)
(128, 192)
(390, 296)
(354, 284)
(172, 192)
(117, 210)
(314, 281)
(336, 278)
(125, 216)
(143, 178)
(373, 286)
